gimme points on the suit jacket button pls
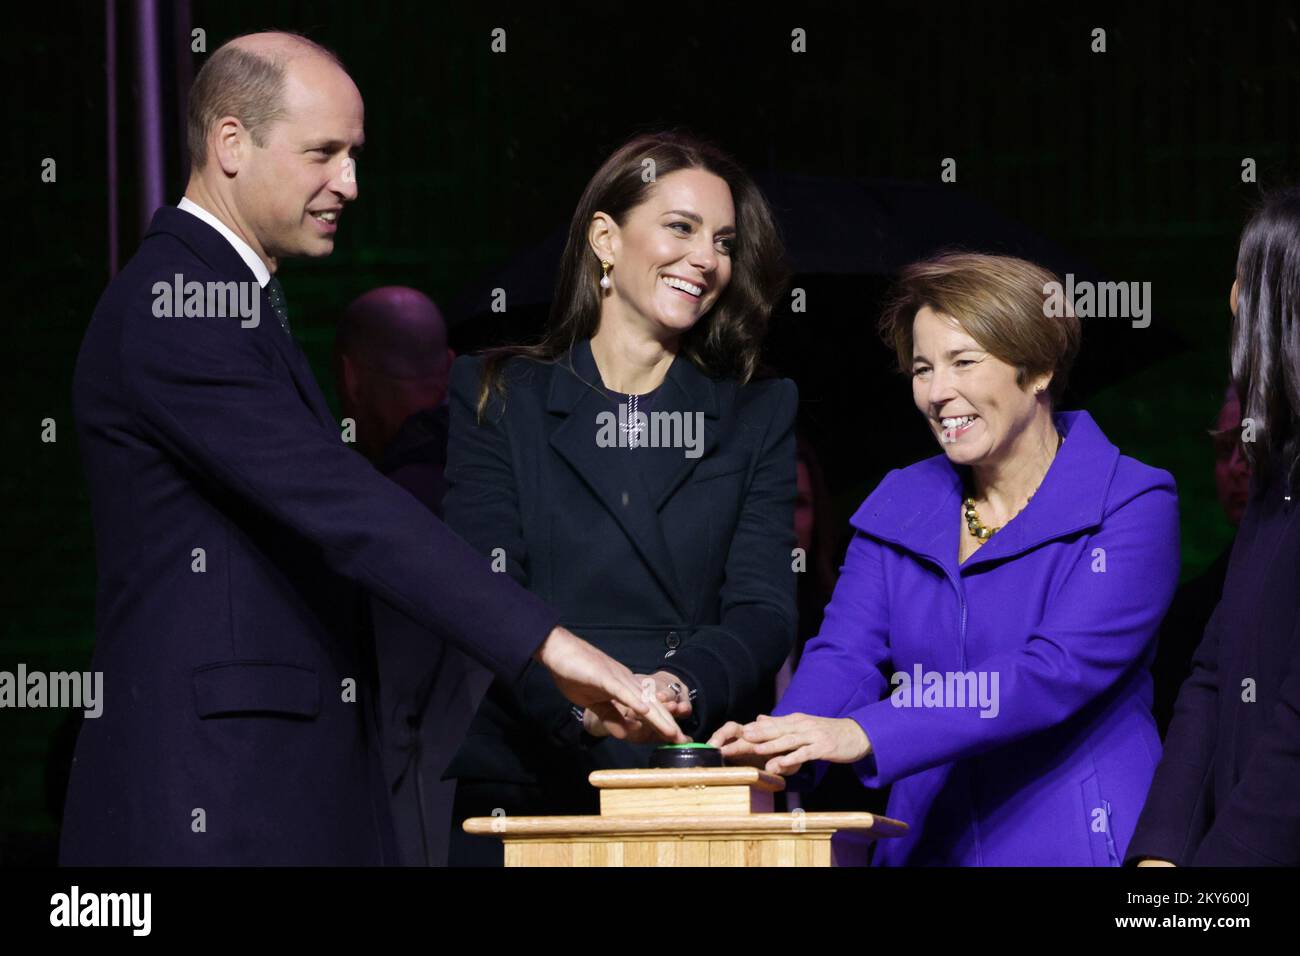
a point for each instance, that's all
(672, 641)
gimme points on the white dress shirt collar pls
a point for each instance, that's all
(244, 249)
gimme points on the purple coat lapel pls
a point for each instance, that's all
(920, 514)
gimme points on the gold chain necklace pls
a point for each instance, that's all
(973, 523)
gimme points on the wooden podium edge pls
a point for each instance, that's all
(758, 825)
(642, 778)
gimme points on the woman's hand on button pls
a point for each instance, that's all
(670, 690)
(787, 743)
(730, 739)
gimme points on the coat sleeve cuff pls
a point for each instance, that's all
(885, 727)
(706, 675)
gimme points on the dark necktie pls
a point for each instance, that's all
(276, 293)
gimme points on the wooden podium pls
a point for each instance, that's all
(696, 816)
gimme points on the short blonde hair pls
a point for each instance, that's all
(998, 301)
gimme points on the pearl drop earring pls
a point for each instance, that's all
(604, 274)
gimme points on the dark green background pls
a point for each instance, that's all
(1129, 158)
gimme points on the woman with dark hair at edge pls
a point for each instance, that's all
(636, 470)
(1227, 792)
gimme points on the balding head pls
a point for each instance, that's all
(245, 78)
(275, 123)
(390, 360)
(396, 331)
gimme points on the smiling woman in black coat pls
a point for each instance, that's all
(633, 470)
(1227, 792)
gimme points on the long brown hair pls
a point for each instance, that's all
(724, 343)
(1266, 336)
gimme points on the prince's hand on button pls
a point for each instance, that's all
(669, 690)
(606, 688)
(627, 727)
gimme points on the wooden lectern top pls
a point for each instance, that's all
(725, 806)
(687, 777)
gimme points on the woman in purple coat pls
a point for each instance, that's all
(986, 649)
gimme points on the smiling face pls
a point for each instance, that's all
(290, 192)
(968, 396)
(672, 254)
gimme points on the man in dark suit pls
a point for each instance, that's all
(392, 367)
(235, 531)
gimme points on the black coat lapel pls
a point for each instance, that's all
(213, 248)
(690, 392)
(612, 473)
(299, 367)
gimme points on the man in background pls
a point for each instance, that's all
(391, 368)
